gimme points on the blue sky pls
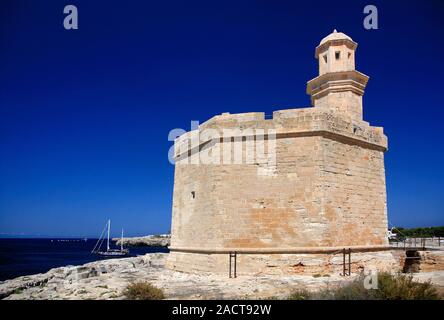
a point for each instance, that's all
(85, 114)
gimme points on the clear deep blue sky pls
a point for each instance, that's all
(85, 114)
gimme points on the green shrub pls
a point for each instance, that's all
(420, 232)
(143, 291)
(18, 291)
(390, 287)
(403, 287)
(301, 294)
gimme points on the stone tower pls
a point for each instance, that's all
(320, 187)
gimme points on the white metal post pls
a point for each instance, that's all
(121, 241)
(109, 226)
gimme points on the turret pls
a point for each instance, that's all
(339, 87)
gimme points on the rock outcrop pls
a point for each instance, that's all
(107, 280)
(162, 240)
(431, 261)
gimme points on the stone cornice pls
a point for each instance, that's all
(338, 42)
(354, 81)
(340, 137)
(301, 250)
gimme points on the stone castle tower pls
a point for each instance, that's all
(319, 189)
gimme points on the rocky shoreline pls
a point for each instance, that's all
(161, 240)
(107, 280)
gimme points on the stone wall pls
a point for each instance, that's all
(354, 195)
(284, 264)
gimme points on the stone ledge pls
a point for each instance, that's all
(281, 250)
(348, 139)
(353, 80)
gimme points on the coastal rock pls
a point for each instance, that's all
(104, 279)
(161, 240)
(107, 280)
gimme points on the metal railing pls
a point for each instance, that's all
(346, 266)
(418, 242)
(233, 264)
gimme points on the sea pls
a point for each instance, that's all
(19, 257)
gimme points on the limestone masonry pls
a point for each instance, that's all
(318, 188)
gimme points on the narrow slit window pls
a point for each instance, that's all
(337, 55)
(325, 58)
(193, 194)
(349, 55)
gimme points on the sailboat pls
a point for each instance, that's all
(109, 252)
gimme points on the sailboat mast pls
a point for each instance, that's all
(107, 243)
(121, 241)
